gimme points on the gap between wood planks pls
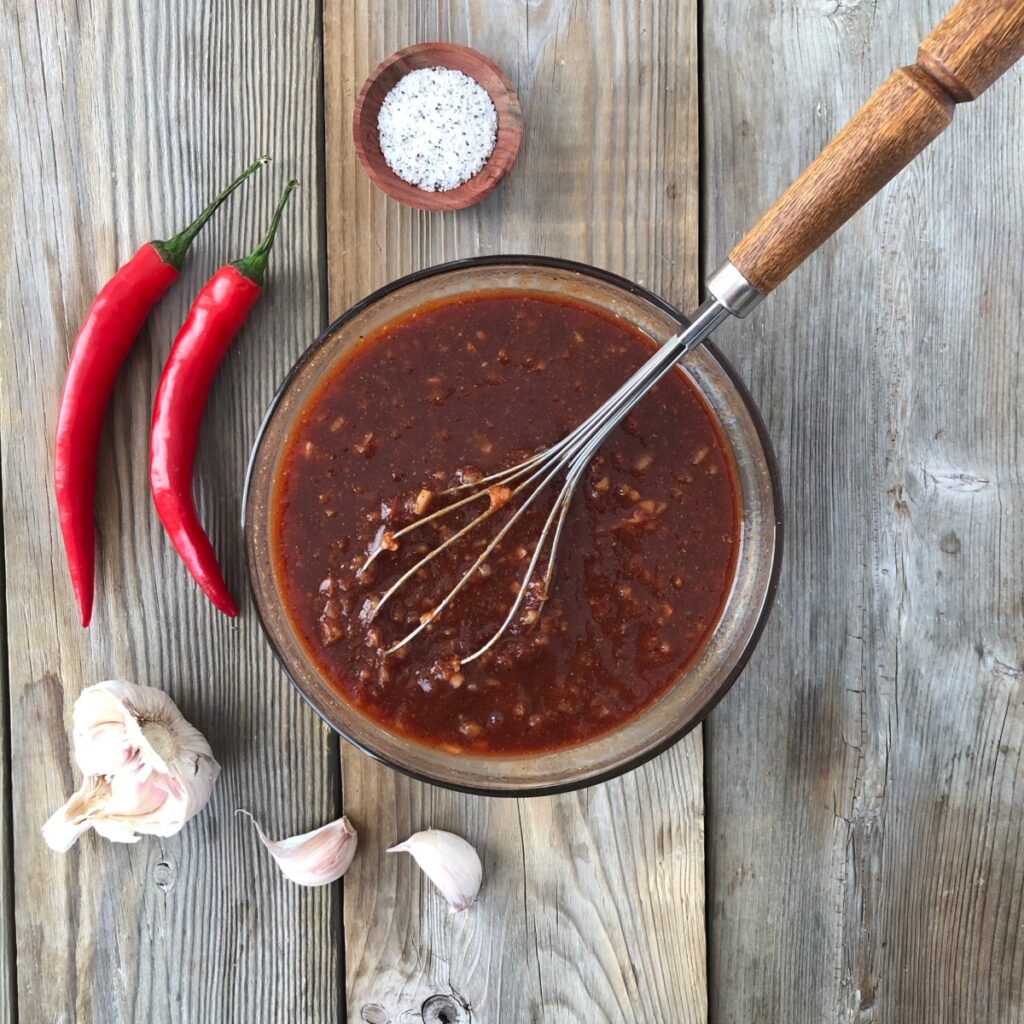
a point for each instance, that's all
(334, 759)
(703, 269)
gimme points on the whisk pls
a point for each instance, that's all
(527, 480)
(966, 52)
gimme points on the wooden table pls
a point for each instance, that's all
(842, 841)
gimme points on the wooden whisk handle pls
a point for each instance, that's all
(967, 51)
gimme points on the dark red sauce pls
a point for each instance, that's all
(468, 387)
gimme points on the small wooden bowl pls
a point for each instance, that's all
(434, 55)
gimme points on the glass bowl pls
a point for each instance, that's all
(704, 681)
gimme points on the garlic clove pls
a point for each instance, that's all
(147, 770)
(313, 858)
(449, 862)
(98, 731)
(139, 793)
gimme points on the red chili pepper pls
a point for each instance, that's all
(216, 316)
(106, 335)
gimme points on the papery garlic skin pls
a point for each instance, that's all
(449, 862)
(313, 858)
(147, 770)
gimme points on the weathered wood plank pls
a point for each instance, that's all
(593, 909)
(865, 783)
(118, 120)
(8, 970)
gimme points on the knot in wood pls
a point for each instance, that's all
(165, 875)
(374, 1013)
(443, 1009)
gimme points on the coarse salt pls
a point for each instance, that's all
(437, 127)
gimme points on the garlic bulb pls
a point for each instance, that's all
(449, 862)
(147, 770)
(314, 858)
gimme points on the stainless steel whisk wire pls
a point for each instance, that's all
(573, 454)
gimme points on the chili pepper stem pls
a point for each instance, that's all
(173, 250)
(254, 266)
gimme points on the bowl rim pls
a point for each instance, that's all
(487, 179)
(607, 277)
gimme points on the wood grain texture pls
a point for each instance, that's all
(973, 45)
(904, 115)
(593, 903)
(865, 788)
(118, 121)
